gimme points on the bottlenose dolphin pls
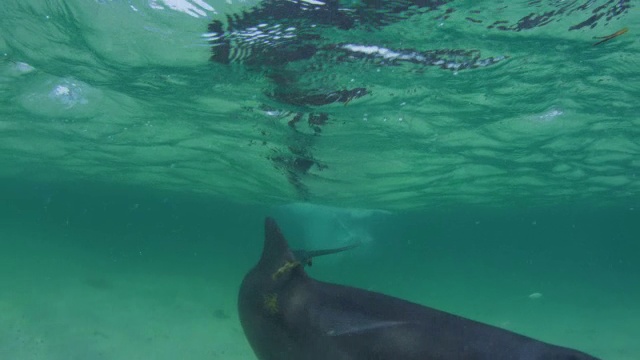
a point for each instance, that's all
(287, 315)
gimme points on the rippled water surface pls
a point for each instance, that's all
(125, 92)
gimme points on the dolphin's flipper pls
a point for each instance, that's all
(305, 256)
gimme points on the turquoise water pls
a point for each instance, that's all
(135, 174)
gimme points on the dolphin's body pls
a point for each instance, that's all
(286, 315)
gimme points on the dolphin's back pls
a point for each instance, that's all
(363, 325)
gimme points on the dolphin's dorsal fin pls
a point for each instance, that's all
(277, 255)
(275, 248)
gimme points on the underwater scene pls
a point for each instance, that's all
(319, 179)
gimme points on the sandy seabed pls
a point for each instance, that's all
(61, 301)
(58, 302)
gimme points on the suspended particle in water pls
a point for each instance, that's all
(23, 68)
(535, 296)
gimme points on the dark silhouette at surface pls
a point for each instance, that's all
(273, 36)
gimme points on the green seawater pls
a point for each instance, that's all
(135, 175)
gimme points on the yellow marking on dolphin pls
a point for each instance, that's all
(271, 303)
(285, 268)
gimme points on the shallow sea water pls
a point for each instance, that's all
(135, 174)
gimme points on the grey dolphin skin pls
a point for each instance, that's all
(286, 315)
